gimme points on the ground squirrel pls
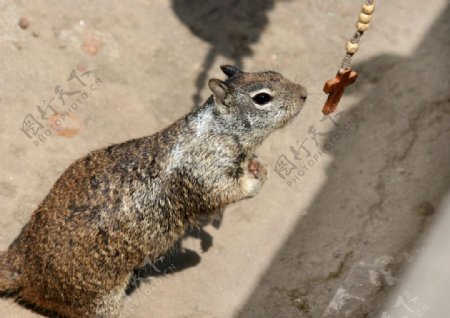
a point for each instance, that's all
(118, 205)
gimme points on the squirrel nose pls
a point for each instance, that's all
(303, 93)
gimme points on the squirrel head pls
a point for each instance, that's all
(252, 105)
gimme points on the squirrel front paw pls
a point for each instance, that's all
(255, 176)
(258, 169)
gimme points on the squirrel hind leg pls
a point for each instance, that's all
(8, 279)
(109, 306)
(33, 300)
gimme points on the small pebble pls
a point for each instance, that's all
(24, 22)
(400, 170)
(19, 45)
(425, 208)
(91, 44)
(35, 33)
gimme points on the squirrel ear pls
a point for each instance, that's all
(230, 70)
(220, 91)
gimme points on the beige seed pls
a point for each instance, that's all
(351, 47)
(368, 8)
(362, 26)
(364, 18)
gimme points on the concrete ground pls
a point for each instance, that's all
(330, 236)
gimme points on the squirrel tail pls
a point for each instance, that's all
(8, 282)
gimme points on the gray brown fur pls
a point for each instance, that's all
(117, 205)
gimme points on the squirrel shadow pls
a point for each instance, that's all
(178, 258)
(230, 26)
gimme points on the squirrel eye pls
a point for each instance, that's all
(262, 98)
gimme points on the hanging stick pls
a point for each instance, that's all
(335, 87)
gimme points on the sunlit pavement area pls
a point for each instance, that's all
(351, 197)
